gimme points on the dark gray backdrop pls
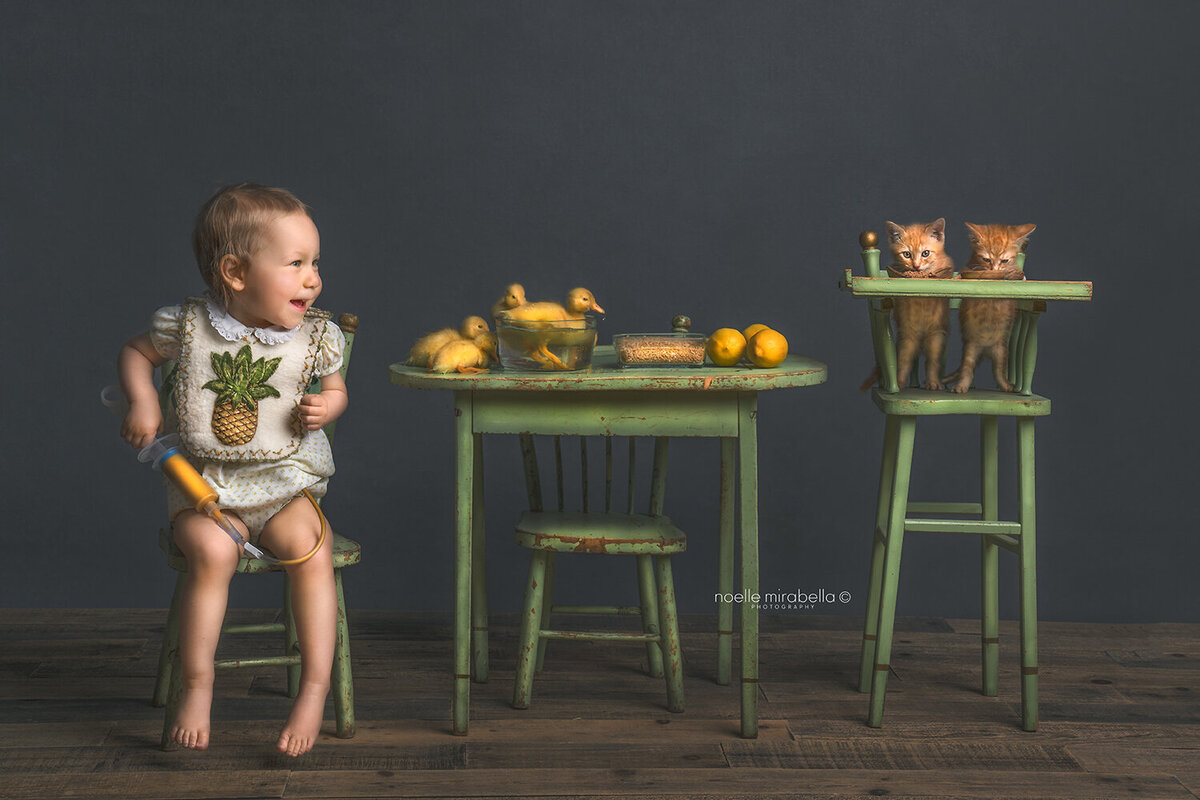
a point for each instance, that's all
(712, 158)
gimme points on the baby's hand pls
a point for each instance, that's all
(314, 411)
(142, 423)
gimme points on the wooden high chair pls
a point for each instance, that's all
(346, 552)
(903, 406)
(651, 538)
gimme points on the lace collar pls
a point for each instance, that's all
(233, 331)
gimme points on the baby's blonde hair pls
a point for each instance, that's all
(232, 222)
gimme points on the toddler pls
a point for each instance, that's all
(244, 354)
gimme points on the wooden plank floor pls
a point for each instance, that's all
(1120, 717)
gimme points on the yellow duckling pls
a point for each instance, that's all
(423, 351)
(533, 315)
(579, 302)
(467, 356)
(514, 295)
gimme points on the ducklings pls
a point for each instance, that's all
(514, 296)
(427, 346)
(466, 356)
(553, 317)
(579, 301)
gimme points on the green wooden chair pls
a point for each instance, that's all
(346, 552)
(651, 537)
(903, 406)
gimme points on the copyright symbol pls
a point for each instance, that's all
(844, 597)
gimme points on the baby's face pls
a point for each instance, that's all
(282, 282)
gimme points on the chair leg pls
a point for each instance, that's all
(898, 507)
(342, 680)
(547, 609)
(989, 556)
(170, 647)
(648, 594)
(671, 651)
(479, 608)
(887, 468)
(531, 616)
(291, 641)
(1028, 570)
(174, 696)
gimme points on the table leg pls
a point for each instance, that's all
(748, 501)
(464, 497)
(479, 605)
(725, 562)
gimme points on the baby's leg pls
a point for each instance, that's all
(292, 533)
(212, 558)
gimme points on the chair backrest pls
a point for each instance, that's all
(347, 322)
(1022, 339)
(658, 477)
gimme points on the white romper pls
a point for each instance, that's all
(255, 491)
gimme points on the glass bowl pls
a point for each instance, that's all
(637, 350)
(541, 346)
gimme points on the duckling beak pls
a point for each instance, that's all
(597, 308)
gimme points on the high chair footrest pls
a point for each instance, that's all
(621, 611)
(945, 508)
(266, 661)
(600, 636)
(962, 526)
(262, 627)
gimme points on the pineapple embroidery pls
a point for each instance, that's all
(240, 384)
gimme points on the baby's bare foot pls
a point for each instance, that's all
(191, 726)
(304, 723)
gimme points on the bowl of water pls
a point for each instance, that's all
(564, 345)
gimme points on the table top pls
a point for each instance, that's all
(606, 374)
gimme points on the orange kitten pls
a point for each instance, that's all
(986, 324)
(922, 323)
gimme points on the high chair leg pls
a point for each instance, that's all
(1028, 569)
(887, 468)
(531, 616)
(291, 641)
(989, 561)
(648, 593)
(170, 647)
(342, 680)
(547, 609)
(672, 654)
(898, 506)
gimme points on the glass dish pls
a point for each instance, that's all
(637, 350)
(541, 346)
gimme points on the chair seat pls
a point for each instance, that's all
(346, 552)
(600, 532)
(990, 402)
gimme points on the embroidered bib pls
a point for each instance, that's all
(239, 401)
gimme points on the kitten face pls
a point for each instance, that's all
(996, 246)
(919, 246)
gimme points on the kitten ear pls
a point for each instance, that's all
(937, 229)
(974, 236)
(1023, 231)
(895, 232)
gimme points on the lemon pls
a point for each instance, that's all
(753, 329)
(767, 348)
(726, 347)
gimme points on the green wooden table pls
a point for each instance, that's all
(607, 400)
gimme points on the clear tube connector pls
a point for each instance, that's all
(214, 513)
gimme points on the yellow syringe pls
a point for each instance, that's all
(166, 454)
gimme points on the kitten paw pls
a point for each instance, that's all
(960, 387)
(935, 386)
